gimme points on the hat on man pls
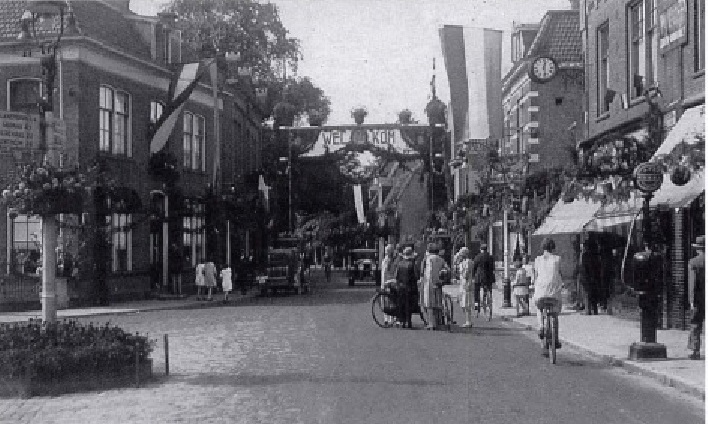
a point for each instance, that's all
(483, 246)
(700, 242)
(408, 253)
(432, 248)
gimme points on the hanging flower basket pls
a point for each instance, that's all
(359, 114)
(163, 165)
(405, 117)
(44, 190)
(435, 110)
(284, 114)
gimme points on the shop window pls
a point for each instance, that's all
(603, 67)
(25, 95)
(114, 122)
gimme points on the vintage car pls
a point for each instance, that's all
(363, 266)
(282, 269)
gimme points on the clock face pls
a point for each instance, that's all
(543, 68)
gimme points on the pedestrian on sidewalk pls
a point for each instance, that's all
(226, 282)
(466, 282)
(432, 287)
(528, 268)
(388, 275)
(199, 280)
(327, 264)
(210, 278)
(406, 281)
(482, 272)
(696, 293)
(589, 276)
(521, 290)
(549, 282)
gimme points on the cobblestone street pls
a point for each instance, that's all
(321, 359)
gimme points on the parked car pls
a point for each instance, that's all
(363, 266)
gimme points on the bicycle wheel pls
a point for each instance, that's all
(378, 304)
(554, 336)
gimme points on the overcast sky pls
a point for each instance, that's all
(379, 53)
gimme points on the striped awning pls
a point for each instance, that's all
(606, 223)
(568, 218)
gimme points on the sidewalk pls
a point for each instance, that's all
(608, 338)
(128, 307)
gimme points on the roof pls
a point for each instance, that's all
(94, 19)
(568, 218)
(558, 37)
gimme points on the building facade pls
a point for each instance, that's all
(113, 72)
(645, 65)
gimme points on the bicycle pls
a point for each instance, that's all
(384, 305)
(485, 304)
(549, 320)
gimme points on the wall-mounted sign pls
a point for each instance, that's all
(648, 177)
(673, 16)
(19, 131)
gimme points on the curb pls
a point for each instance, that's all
(631, 366)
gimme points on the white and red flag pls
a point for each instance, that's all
(183, 82)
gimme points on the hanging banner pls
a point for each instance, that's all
(359, 204)
(331, 139)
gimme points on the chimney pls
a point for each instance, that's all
(574, 4)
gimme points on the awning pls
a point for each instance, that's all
(675, 196)
(687, 129)
(568, 218)
(607, 222)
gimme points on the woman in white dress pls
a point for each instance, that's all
(465, 280)
(226, 283)
(199, 279)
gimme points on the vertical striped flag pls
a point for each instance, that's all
(181, 87)
(473, 65)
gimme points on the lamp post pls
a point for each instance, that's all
(43, 14)
(648, 178)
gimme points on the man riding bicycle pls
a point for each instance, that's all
(548, 282)
(483, 271)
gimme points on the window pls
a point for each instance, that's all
(603, 67)
(114, 122)
(156, 110)
(643, 47)
(25, 95)
(24, 247)
(193, 234)
(699, 34)
(193, 141)
(121, 241)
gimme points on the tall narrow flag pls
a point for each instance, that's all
(472, 59)
(181, 87)
(359, 204)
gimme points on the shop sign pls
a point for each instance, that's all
(19, 130)
(648, 177)
(673, 16)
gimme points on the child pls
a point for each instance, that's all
(521, 290)
(226, 283)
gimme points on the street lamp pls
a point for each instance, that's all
(37, 21)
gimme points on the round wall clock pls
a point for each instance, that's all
(543, 69)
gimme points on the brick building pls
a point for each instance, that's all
(539, 117)
(113, 73)
(638, 52)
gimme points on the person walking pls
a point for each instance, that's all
(466, 282)
(528, 267)
(199, 280)
(521, 290)
(406, 281)
(549, 282)
(388, 274)
(588, 276)
(226, 282)
(696, 293)
(432, 287)
(327, 265)
(210, 278)
(483, 272)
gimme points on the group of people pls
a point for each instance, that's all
(206, 280)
